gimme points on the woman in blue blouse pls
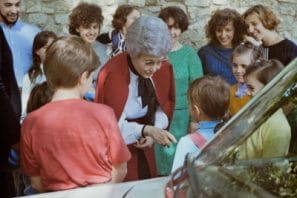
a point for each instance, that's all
(225, 30)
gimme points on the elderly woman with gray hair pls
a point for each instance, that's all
(139, 86)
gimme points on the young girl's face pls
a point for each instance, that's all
(174, 30)
(239, 65)
(131, 18)
(41, 52)
(89, 34)
(225, 35)
(255, 27)
(253, 84)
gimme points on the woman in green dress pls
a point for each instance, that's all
(186, 67)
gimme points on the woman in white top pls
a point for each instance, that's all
(35, 75)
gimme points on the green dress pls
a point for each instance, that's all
(186, 68)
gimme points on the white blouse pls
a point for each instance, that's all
(131, 131)
(27, 87)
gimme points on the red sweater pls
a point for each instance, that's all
(113, 85)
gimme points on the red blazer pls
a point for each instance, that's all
(113, 82)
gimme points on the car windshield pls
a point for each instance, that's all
(217, 171)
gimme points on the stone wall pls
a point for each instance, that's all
(53, 14)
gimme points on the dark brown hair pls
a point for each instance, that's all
(39, 96)
(265, 15)
(264, 70)
(40, 40)
(66, 60)
(120, 15)
(176, 13)
(84, 14)
(211, 94)
(221, 18)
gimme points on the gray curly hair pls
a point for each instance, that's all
(148, 35)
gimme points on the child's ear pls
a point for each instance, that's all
(196, 109)
(84, 77)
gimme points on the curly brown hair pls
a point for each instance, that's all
(84, 14)
(120, 15)
(221, 18)
(265, 15)
(176, 13)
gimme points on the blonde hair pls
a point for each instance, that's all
(269, 20)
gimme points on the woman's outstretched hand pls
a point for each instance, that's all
(160, 136)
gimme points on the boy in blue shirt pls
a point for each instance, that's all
(208, 103)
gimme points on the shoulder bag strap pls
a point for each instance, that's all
(198, 139)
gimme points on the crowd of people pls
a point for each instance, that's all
(74, 114)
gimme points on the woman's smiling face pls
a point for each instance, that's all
(147, 65)
(255, 27)
(89, 34)
(225, 35)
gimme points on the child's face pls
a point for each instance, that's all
(174, 30)
(255, 27)
(131, 18)
(225, 35)
(41, 52)
(239, 65)
(89, 34)
(253, 84)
